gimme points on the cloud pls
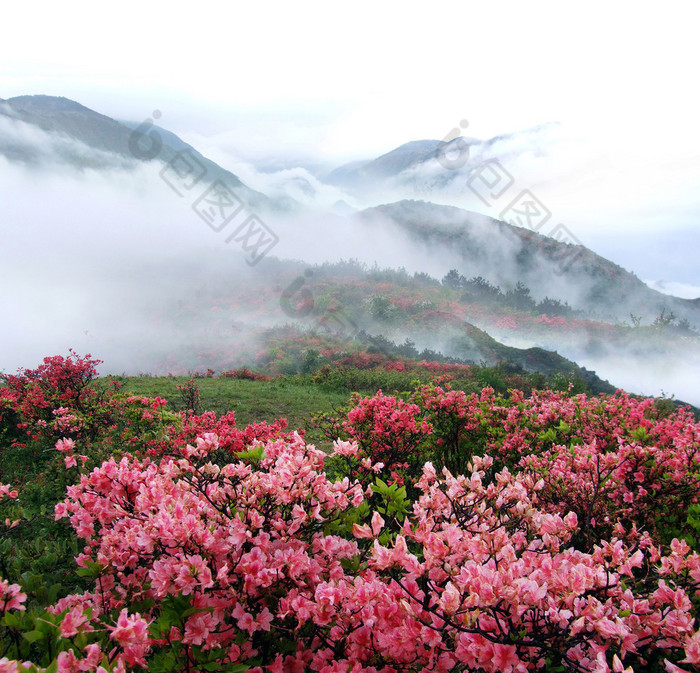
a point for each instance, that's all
(670, 374)
(627, 201)
(675, 289)
(90, 256)
(284, 176)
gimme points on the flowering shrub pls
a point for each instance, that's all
(209, 553)
(610, 459)
(190, 396)
(549, 532)
(458, 427)
(243, 565)
(245, 374)
(231, 440)
(497, 579)
(50, 401)
(57, 379)
(387, 429)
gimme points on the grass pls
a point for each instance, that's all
(298, 397)
(295, 398)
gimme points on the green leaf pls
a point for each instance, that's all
(91, 569)
(33, 636)
(164, 662)
(253, 455)
(549, 436)
(236, 668)
(380, 487)
(11, 619)
(640, 434)
(193, 610)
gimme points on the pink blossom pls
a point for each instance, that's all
(11, 598)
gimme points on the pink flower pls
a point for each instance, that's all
(67, 662)
(692, 649)
(72, 622)
(65, 445)
(505, 659)
(362, 531)
(341, 448)
(129, 630)
(450, 599)
(11, 598)
(265, 619)
(245, 621)
(6, 489)
(198, 628)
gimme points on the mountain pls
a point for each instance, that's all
(363, 173)
(82, 138)
(432, 167)
(482, 291)
(58, 115)
(505, 254)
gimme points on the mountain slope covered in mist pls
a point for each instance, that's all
(363, 174)
(433, 168)
(281, 318)
(151, 287)
(83, 138)
(505, 255)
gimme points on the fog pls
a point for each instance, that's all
(93, 257)
(611, 190)
(646, 364)
(675, 289)
(102, 256)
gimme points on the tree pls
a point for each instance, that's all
(453, 280)
(481, 288)
(520, 298)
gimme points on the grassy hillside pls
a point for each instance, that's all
(298, 397)
(293, 398)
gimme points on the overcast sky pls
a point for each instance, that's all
(349, 80)
(365, 76)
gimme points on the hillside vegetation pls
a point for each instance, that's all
(446, 525)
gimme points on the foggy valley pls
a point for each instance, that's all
(109, 249)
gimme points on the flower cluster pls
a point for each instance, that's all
(388, 430)
(549, 532)
(479, 576)
(613, 460)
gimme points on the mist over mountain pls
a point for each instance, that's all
(505, 254)
(85, 139)
(433, 168)
(368, 175)
(109, 248)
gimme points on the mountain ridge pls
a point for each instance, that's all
(462, 230)
(63, 117)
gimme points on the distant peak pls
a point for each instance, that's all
(419, 144)
(46, 103)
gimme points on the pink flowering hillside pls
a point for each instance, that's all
(444, 531)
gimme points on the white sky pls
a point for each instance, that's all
(365, 76)
(356, 79)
